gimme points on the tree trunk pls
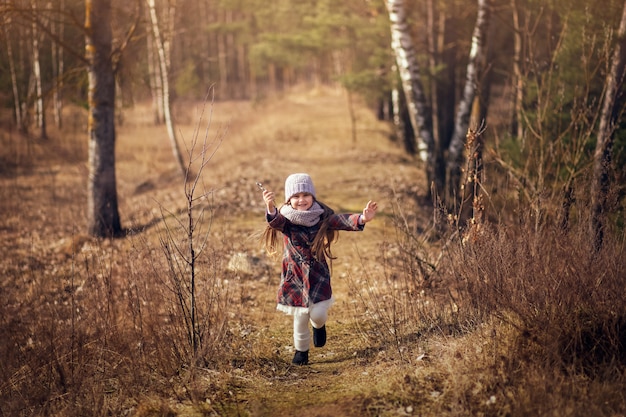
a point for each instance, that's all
(163, 53)
(231, 58)
(474, 71)
(103, 215)
(241, 72)
(433, 36)
(408, 68)
(58, 68)
(40, 116)
(13, 72)
(352, 117)
(608, 118)
(518, 83)
(222, 64)
(402, 122)
(271, 78)
(471, 208)
(154, 78)
(203, 41)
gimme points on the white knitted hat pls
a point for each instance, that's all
(298, 183)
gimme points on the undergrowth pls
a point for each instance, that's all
(501, 319)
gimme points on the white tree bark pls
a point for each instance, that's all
(103, 215)
(58, 67)
(433, 37)
(608, 118)
(154, 78)
(408, 67)
(40, 117)
(518, 82)
(475, 68)
(163, 54)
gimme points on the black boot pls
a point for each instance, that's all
(301, 358)
(319, 336)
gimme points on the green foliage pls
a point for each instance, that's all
(348, 34)
(565, 67)
(188, 83)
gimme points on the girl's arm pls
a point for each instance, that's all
(369, 211)
(273, 217)
(353, 222)
(268, 197)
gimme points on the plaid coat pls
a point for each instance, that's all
(304, 280)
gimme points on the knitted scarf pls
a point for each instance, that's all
(303, 218)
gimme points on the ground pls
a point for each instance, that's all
(44, 206)
(94, 326)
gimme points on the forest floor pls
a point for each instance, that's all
(97, 326)
(43, 227)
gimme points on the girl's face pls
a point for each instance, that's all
(301, 201)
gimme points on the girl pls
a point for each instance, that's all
(308, 227)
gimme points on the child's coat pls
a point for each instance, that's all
(305, 280)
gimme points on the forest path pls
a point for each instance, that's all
(309, 133)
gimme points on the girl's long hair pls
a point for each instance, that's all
(321, 243)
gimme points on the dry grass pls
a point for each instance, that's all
(514, 322)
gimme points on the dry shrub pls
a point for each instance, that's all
(566, 300)
(104, 331)
(90, 326)
(403, 296)
(503, 319)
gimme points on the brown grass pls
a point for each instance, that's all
(516, 321)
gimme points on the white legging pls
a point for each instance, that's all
(317, 316)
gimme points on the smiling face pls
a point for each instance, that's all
(301, 201)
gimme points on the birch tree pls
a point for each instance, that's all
(475, 68)
(103, 215)
(154, 79)
(604, 144)
(163, 52)
(441, 180)
(518, 82)
(409, 70)
(40, 114)
(58, 67)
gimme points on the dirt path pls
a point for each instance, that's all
(44, 224)
(347, 376)
(343, 378)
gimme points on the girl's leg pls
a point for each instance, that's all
(301, 332)
(319, 313)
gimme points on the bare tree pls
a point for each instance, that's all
(409, 70)
(58, 67)
(103, 214)
(604, 144)
(518, 81)
(154, 78)
(431, 151)
(434, 38)
(6, 28)
(163, 49)
(40, 114)
(475, 68)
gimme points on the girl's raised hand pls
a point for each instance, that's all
(369, 211)
(268, 197)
